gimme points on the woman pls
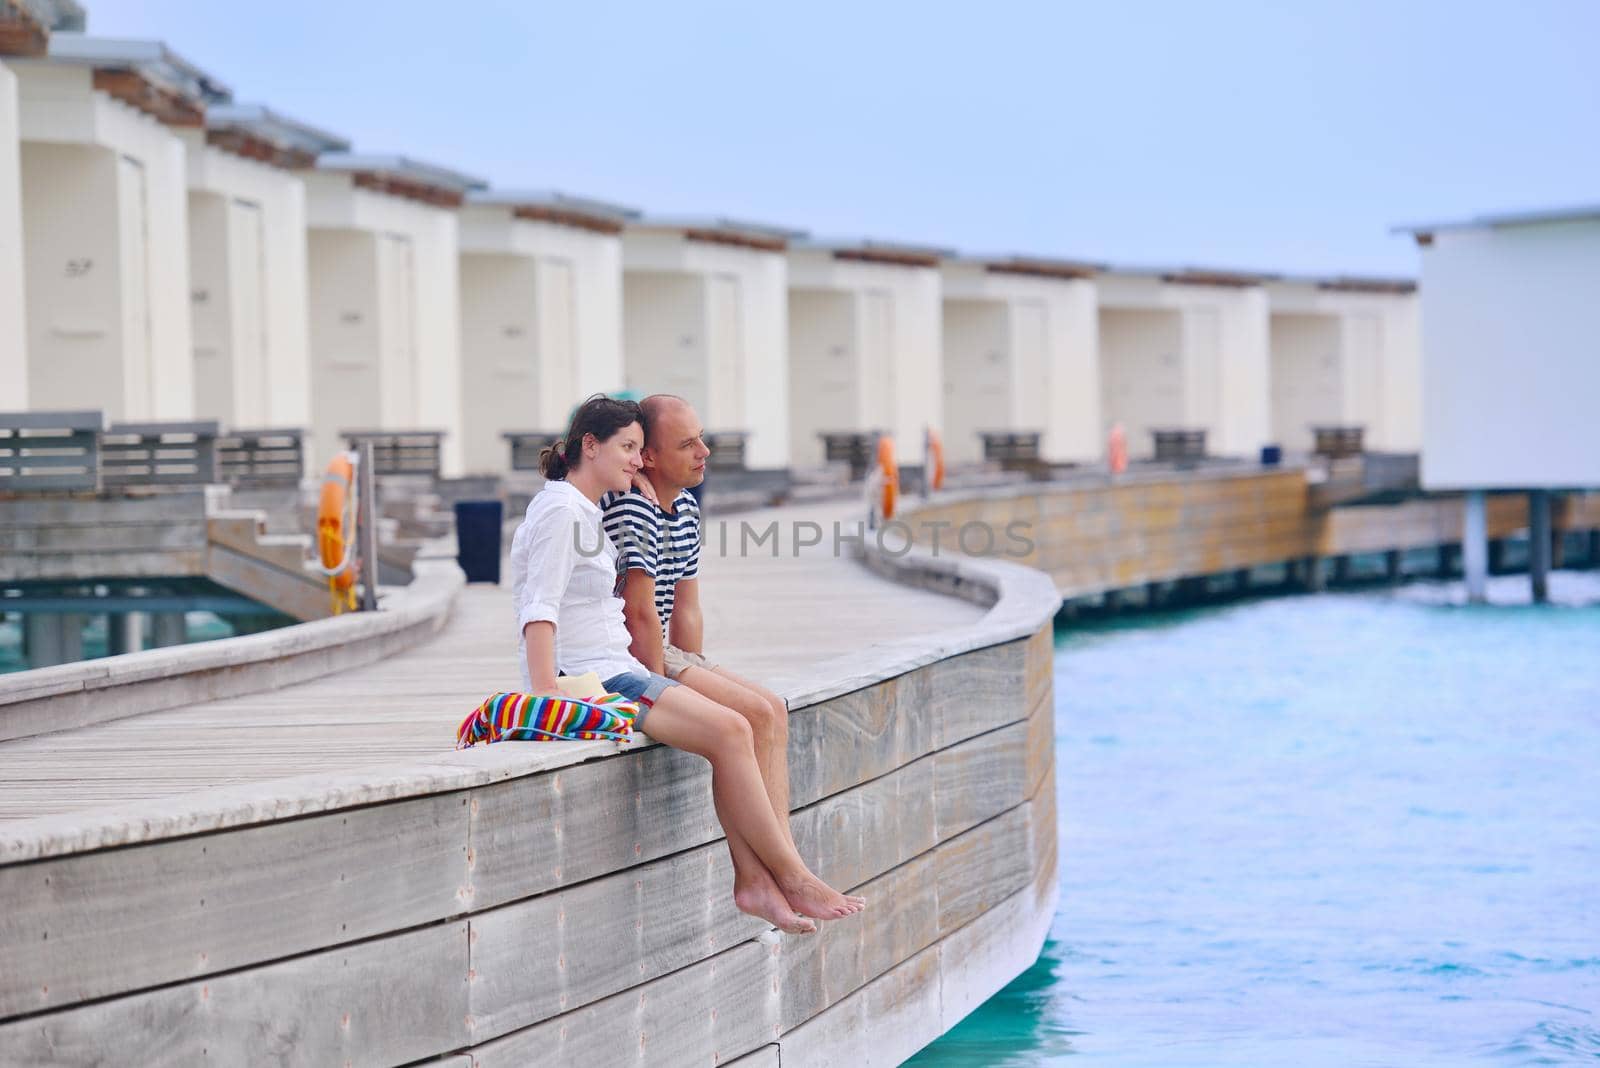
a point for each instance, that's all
(563, 572)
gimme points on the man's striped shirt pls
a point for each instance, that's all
(665, 546)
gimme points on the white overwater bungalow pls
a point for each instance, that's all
(105, 226)
(541, 314)
(383, 261)
(1185, 348)
(1509, 374)
(865, 353)
(1346, 352)
(247, 265)
(705, 316)
(1021, 356)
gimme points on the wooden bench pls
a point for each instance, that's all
(1179, 444)
(400, 452)
(1013, 450)
(1337, 442)
(49, 452)
(526, 445)
(262, 459)
(857, 448)
(159, 454)
(727, 449)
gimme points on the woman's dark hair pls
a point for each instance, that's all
(601, 416)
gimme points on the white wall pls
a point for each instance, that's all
(1369, 364)
(541, 326)
(1141, 373)
(1510, 365)
(898, 346)
(825, 390)
(978, 375)
(409, 345)
(1048, 363)
(1307, 380)
(1221, 354)
(248, 297)
(122, 321)
(717, 336)
(501, 361)
(13, 306)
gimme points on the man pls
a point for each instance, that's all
(659, 545)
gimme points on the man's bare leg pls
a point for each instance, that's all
(690, 721)
(769, 721)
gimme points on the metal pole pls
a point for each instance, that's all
(368, 524)
(1539, 544)
(1475, 547)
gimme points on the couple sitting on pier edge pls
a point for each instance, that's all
(627, 466)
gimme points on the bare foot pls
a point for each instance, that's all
(810, 895)
(765, 901)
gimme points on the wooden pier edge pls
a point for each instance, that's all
(115, 687)
(581, 913)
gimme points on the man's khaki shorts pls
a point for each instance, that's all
(674, 660)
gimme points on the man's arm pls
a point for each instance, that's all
(644, 625)
(687, 627)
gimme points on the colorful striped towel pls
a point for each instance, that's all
(527, 717)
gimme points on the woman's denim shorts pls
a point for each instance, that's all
(641, 688)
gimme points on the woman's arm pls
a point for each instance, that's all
(541, 639)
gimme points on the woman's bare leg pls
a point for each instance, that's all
(690, 721)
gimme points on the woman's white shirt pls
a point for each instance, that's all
(564, 570)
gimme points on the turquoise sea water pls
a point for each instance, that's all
(1349, 829)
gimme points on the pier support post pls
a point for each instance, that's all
(123, 633)
(167, 629)
(1594, 548)
(51, 638)
(1393, 563)
(1448, 554)
(1539, 544)
(1497, 556)
(1475, 547)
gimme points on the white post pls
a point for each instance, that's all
(1475, 548)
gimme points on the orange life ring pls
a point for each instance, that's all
(336, 528)
(935, 471)
(891, 475)
(1117, 449)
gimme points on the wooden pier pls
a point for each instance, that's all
(313, 871)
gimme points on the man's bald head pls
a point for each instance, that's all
(660, 408)
(674, 447)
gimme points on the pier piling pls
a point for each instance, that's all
(1539, 544)
(1475, 547)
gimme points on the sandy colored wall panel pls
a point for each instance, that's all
(74, 288)
(249, 295)
(664, 335)
(825, 390)
(346, 373)
(408, 300)
(1141, 367)
(13, 303)
(1307, 386)
(499, 355)
(979, 371)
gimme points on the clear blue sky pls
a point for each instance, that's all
(1279, 136)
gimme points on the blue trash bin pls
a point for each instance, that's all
(478, 539)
